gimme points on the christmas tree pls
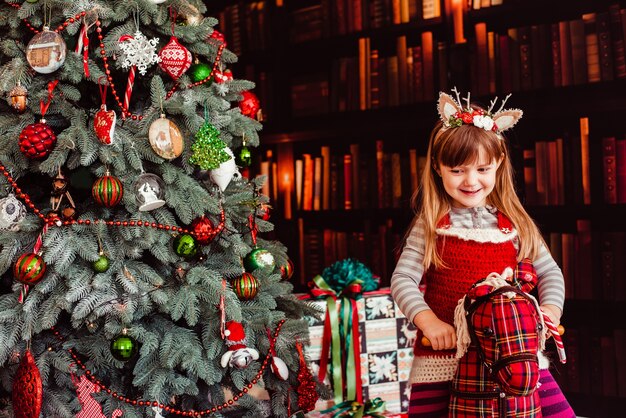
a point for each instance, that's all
(136, 281)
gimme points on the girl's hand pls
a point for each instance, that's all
(553, 312)
(441, 335)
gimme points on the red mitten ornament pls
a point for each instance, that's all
(37, 140)
(175, 58)
(223, 76)
(104, 125)
(27, 388)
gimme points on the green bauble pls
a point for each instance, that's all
(185, 246)
(244, 157)
(101, 264)
(258, 258)
(124, 347)
(199, 72)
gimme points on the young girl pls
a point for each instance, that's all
(469, 223)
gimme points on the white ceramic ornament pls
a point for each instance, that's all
(165, 138)
(157, 1)
(149, 192)
(46, 51)
(12, 213)
(225, 172)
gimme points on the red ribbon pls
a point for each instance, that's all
(43, 106)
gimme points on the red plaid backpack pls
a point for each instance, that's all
(500, 332)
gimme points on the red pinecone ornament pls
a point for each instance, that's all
(27, 388)
(37, 140)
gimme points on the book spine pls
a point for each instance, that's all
(604, 46)
(380, 172)
(620, 170)
(347, 181)
(609, 170)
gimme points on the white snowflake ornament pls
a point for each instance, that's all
(139, 51)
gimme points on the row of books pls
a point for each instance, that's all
(359, 179)
(595, 363)
(374, 245)
(584, 256)
(585, 50)
(614, 169)
(245, 26)
(339, 17)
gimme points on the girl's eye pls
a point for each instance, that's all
(455, 170)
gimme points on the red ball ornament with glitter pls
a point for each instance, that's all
(249, 105)
(29, 268)
(27, 389)
(204, 230)
(245, 286)
(175, 58)
(37, 140)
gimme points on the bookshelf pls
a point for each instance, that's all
(334, 86)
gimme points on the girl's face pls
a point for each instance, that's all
(469, 184)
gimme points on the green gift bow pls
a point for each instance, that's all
(372, 408)
(342, 330)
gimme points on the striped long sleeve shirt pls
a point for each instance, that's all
(408, 273)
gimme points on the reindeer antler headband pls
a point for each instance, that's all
(454, 115)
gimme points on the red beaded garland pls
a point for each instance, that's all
(168, 408)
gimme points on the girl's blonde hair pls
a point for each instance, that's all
(462, 145)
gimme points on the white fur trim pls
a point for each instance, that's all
(479, 235)
(433, 369)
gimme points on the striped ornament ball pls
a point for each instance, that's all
(245, 286)
(107, 191)
(29, 268)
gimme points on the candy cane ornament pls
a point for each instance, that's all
(131, 79)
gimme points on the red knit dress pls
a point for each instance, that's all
(470, 255)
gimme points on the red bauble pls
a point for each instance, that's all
(264, 211)
(286, 271)
(175, 58)
(29, 268)
(107, 191)
(204, 230)
(249, 105)
(37, 140)
(217, 38)
(245, 286)
(27, 388)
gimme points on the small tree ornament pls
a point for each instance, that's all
(108, 190)
(175, 59)
(185, 246)
(258, 258)
(27, 388)
(245, 286)
(102, 264)
(208, 150)
(239, 355)
(46, 51)
(18, 97)
(37, 139)
(165, 138)
(124, 347)
(249, 105)
(227, 171)
(104, 121)
(149, 192)
(59, 192)
(12, 213)
(29, 268)
(205, 231)
(200, 72)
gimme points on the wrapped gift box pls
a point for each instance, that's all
(387, 339)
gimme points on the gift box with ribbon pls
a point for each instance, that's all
(362, 346)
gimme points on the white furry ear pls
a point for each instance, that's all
(447, 107)
(507, 119)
